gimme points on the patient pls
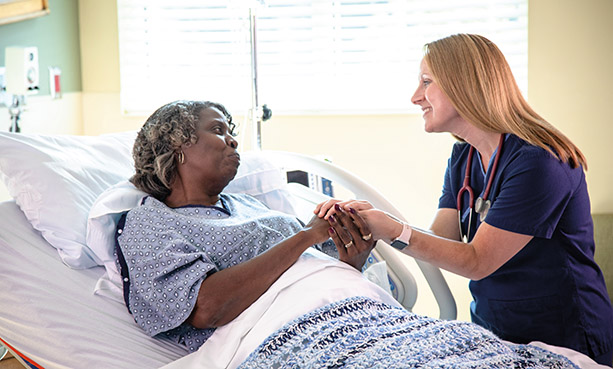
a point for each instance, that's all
(193, 258)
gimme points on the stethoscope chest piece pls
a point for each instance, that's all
(482, 207)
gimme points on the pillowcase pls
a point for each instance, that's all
(55, 179)
(256, 176)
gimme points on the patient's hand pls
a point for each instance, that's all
(318, 230)
(351, 235)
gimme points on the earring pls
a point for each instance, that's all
(181, 157)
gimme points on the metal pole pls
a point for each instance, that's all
(255, 116)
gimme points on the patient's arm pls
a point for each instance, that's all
(225, 294)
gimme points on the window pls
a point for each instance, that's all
(313, 56)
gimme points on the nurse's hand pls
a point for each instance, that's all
(352, 237)
(327, 208)
(383, 226)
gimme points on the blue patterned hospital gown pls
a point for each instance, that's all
(170, 251)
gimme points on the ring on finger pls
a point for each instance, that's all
(348, 245)
(367, 237)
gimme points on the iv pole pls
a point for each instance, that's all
(256, 117)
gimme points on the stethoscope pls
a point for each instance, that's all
(482, 205)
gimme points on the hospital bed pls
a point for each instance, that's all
(59, 304)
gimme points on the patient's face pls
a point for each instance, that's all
(213, 158)
(438, 112)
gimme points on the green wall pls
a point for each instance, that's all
(57, 37)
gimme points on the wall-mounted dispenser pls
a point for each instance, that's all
(54, 82)
(22, 73)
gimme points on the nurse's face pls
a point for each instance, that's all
(438, 112)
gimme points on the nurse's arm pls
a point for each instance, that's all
(446, 224)
(489, 249)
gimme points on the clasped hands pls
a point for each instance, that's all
(348, 229)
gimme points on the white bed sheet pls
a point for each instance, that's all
(49, 313)
(314, 281)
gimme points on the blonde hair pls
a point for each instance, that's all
(475, 76)
(159, 141)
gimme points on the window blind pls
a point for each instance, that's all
(314, 56)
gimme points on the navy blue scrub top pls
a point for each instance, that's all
(552, 290)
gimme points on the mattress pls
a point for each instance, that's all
(49, 312)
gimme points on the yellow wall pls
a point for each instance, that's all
(570, 55)
(570, 81)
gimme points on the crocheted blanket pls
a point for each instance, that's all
(362, 333)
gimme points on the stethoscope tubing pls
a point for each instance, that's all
(471, 196)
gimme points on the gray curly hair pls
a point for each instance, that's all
(160, 139)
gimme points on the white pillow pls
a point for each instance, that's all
(256, 176)
(55, 179)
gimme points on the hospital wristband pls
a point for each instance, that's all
(402, 241)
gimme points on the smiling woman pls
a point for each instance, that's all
(516, 219)
(438, 112)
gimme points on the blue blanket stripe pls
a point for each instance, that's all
(362, 333)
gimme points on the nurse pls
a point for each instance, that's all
(514, 214)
